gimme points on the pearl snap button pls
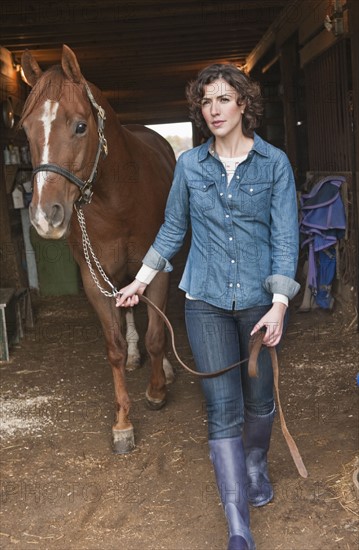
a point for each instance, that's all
(229, 196)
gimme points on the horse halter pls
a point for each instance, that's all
(84, 186)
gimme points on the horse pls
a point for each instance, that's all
(74, 134)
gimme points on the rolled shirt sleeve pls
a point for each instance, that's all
(280, 284)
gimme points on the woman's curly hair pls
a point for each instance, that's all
(248, 91)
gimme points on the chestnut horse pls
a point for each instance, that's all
(117, 178)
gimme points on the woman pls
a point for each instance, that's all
(238, 194)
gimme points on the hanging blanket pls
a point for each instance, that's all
(322, 224)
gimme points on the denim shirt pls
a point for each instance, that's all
(244, 241)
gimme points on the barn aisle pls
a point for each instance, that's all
(62, 488)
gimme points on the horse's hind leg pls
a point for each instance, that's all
(168, 370)
(155, 343)
(132, 338)
(133, 352)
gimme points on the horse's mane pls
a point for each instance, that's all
(49, 86)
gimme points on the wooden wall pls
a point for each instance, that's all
(12, 258)
(317, 52)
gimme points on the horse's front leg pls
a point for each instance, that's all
(110, 317)
(123, 440)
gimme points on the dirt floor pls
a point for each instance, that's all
(63, 488)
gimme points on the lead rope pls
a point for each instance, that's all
(173, 343)
(254, 349)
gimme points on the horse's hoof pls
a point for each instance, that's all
(123, 441)
(155, 403)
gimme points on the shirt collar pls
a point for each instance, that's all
(259, 146)
(205, 149)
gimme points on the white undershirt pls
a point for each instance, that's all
(230, 164)
(146, 274)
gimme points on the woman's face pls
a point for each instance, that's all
(220, 110)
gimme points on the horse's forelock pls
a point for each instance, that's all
(49, 86)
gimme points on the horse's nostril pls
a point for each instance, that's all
(57, 215)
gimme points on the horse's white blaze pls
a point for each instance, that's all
(47, 117)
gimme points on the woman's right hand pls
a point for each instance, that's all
(128, 295)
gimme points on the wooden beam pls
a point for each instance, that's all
(316, 46)
(313, 21)
(287, 17)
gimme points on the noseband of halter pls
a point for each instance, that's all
(84, 186)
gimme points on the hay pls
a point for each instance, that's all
(343, 487)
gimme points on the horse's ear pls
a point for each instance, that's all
(70, 65)
(30, 67)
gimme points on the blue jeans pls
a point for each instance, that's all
(219, 338)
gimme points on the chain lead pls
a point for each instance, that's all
(87, 248)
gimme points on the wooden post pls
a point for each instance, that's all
(289, 68)
(353, 11)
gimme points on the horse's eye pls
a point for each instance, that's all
(81, 128)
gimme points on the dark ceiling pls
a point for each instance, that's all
(140, 54)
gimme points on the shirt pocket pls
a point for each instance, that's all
(254, 197)
(202, 194)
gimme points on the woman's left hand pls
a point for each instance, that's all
(273, 321)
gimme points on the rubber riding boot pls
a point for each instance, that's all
(228, 458)
(256, 438)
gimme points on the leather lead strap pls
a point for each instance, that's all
(255, 346)
(254, 349)
(171, 331)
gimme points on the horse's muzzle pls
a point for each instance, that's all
(50, 222)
